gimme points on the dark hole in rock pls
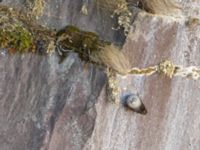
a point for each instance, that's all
(40, 47)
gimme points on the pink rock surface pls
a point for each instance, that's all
(44, 105)
(173, 120)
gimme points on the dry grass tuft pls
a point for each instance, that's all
(165, 7)
(113, 58)
(38, 7)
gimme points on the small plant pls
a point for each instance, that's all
(16, 38)
(19, 33)
(36, 7)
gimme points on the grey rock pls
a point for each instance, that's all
(46, 105)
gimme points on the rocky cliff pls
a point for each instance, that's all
(47, 105)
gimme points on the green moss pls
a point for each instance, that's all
(20, 33)
(79, 41)
(16, 38)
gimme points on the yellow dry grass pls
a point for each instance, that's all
(38, 7)
(165, 7)
(113, 58)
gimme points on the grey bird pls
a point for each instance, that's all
(133, 102)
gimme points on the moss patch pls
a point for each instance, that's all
(16, 38)
(82, 42)
(20, 33)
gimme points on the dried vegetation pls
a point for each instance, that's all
(164, 7)
(36, 7)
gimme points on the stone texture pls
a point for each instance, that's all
(43, 100)
(173, 119)
(46, 105)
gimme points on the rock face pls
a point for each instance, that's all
(43, 101)
(46, 105)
